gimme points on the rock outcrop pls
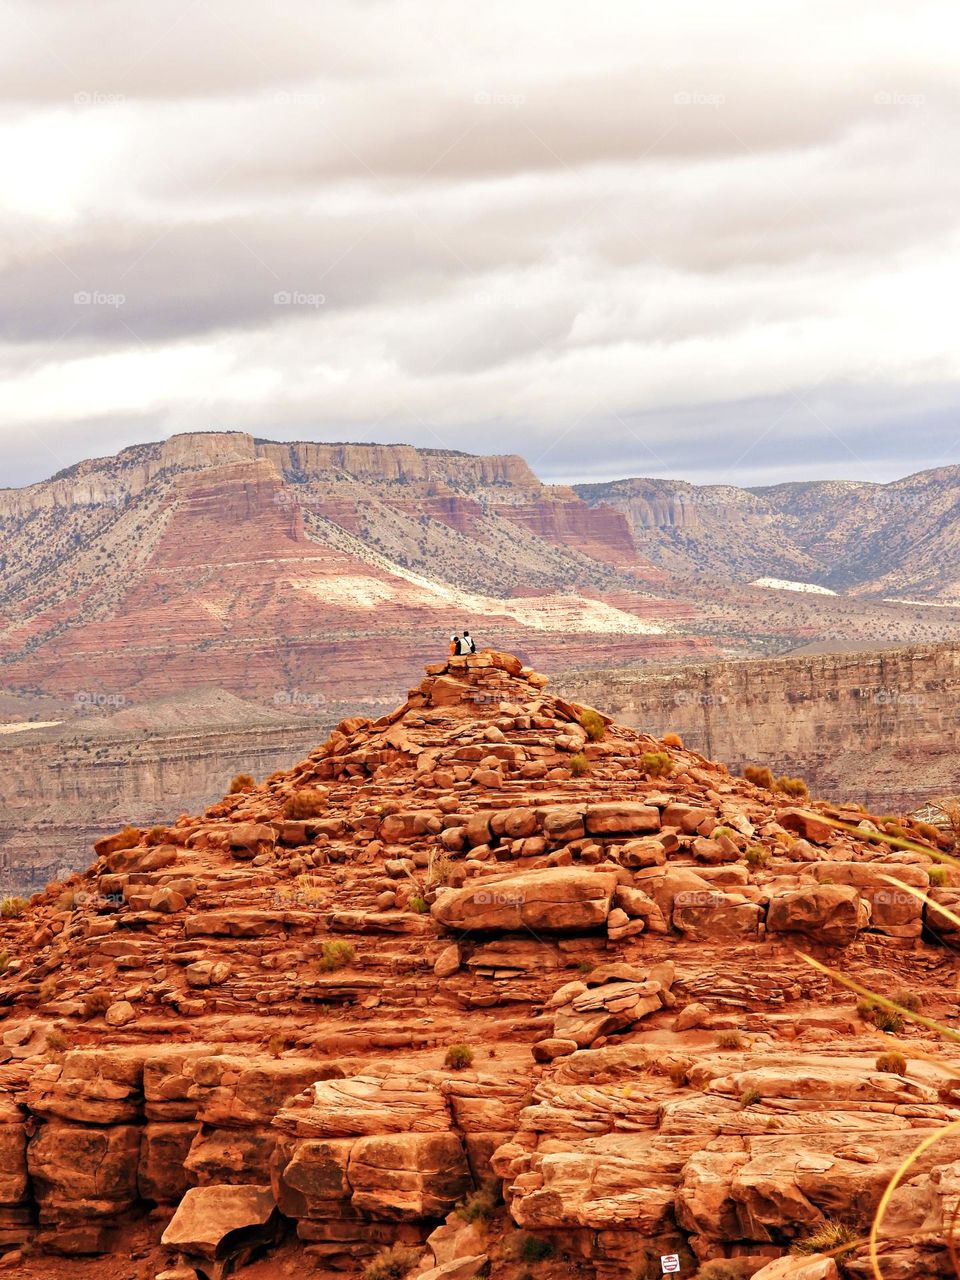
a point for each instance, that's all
(498, 985)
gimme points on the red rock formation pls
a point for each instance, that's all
(471, 945)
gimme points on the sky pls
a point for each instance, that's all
(702, 241)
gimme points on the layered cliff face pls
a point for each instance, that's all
(900, 539)
(495, 951)
(882, 726)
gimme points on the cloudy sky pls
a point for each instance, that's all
(711, 241)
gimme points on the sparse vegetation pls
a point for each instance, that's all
(156, 835)
(4, 961)
(534, 1249)
(657, 764)
(128, 838)
(335, 954)
(56, 1041)
(750, 1097)
(794, 787)
(48, 990)
(593, 724)
(756, 857)
(276, 1045)
(419, 904)
(727, 1269)
(13, 908)
(459, 1057)
(893, 1063)
(438, 872)
(678, 1074)
(907, 999)
(393, 1263)
(309, 802)
(759, 775)
(481, 1206)
(672, 740)
(729, 1040)
(836, 1238)
(938, 875)
(240, 783)
(586, 966)
(579, 765)
(882, 1018)
(96, 1003)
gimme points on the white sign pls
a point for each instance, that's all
(669, 1262)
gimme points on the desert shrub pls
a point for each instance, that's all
(579, 765)
(894, 1063)
(335, 954)
(156, 835)
(795, 787)
(128, 838)
(727, 1269)
(729, 1040)
(672, 740)
(459, 1057)
(47, 990)
(534, 1249)
(241, 782)
(907, 999)
(678, 1075)
(4, 961)
(13, 908)
(393, 1263)
(276, 1045)
(938, 875)
(883, 1019)
(927, 830)
(593, 724)
(439, 871)
(586, 966)
(56, 1041)
(750, 1097)
(657, 764)
(759, 775)
(309, 802)
(831, 1237)
(481, 1206)
(96, 1003)
(419, 904)
(757, 857)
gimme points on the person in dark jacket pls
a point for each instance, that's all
(468, 643)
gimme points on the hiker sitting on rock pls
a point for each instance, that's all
(468, 643)
(455, 646)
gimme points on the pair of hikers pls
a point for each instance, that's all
(459, 645)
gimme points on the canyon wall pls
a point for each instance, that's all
(882, 727)
(60, 793)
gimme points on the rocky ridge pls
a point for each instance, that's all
(490, 950)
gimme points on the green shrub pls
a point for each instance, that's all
(757, 857)
(759, 775)
(459, 1057)
(894, 1063)
(795, 787)
(419, 904)
(831, 1237)
(657, 764)
(938, 875)
(534, 1249)
(593, 724)
(729, 1040)
(242, 782)
(393, 1263)
(335, 954)
(579, 765)
(13, 908)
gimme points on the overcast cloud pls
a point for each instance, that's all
(715, 242)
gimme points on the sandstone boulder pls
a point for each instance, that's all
(831, 914)
(552, 899)
(219, 1223)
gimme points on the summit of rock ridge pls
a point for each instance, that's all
(490, 947)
